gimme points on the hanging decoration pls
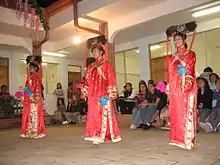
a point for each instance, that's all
(31, 12)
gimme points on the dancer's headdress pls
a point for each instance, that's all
(181, 30)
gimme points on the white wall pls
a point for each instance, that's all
(14, 60)
(143, 44)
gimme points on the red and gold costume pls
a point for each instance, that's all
(101, 122)
(182, 99)
(33, 115)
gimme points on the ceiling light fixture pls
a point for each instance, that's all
(76, 40)
(53, 54)
(137, 51)
(207, 11)
(154, 47)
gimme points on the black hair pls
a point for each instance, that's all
(152, 83)
(4, 86)
(90, 60)
(34, 61)
(70, 84)
(208, 69)
(183, 36)
(165, 82)
(60, 86)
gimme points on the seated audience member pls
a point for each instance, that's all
(161, 89)
(4, 95)
(83, 105)
(212, 123)
(204, 99)
(59, 114)
(140, 101)
(150, 106)
(72, 114)
(212, 81)
(126, 106)
(6, 107)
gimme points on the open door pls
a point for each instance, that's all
(74, 76)
(158, 69)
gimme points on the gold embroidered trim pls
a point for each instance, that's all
(106, 115)
(190, 123)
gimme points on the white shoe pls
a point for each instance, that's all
(65, 122)
(23, 136)
(95, 143)
(207, 127)
(41, 135)
(132, 127)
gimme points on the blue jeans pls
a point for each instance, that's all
(147, 113)
(136, 118)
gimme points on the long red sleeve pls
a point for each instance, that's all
(111, 78)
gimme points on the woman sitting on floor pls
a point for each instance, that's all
(140, 101)
(212, 122)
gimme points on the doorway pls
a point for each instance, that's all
(4, 71)
(158, 69)
(74, 76)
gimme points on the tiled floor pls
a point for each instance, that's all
(64, 145)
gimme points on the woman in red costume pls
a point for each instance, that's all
(182, 89)
(100, 87)
(33, 115)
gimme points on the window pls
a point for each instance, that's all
(50, 75)
(206, 46)
(127, 68)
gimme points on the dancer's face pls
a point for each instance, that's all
(96, 53)
(178, 41)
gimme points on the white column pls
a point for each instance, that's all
(14, 72)
(144, 60)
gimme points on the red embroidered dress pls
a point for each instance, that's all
(182, 99)
(33, 115)
(101, 122)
